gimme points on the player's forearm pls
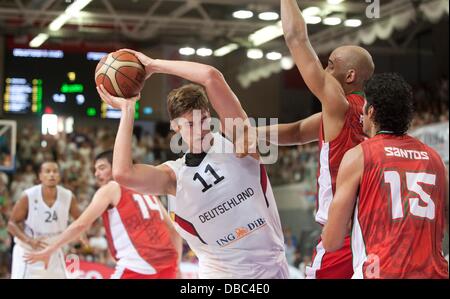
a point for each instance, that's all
(297, 133)
(72, 233)
(15, 230)
(281, 134)
(294, 25)
(333, 238)
(122, 158)
(195, 72)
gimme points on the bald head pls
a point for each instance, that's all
(355, 65)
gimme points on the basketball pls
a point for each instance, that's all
(121, 73)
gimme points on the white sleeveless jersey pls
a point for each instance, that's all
(44, 221)
(225, 209)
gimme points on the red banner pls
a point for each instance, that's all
(88, 270)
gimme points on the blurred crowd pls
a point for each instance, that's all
(75, 153)
(431, 102)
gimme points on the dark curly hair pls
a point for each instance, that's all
(392, 99)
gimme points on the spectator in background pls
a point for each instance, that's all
(5, 246)
(288, 235)
(290, 251)
(306, 262)
(29, 176)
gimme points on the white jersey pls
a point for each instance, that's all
(43, 222)
(225, 209)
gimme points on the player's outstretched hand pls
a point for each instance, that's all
(37, 244)
(39, 256)
(116, 102)
(146, 61)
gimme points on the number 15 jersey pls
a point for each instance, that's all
(225, 209)
(400, 213)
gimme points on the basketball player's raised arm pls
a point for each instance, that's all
(16, 221)
(343, 203)
(323, 85)
(222, 98)
(102, 199)
(301, 132)
(146, 179)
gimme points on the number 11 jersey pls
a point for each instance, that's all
(225, 209)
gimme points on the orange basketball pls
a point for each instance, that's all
(121, 73)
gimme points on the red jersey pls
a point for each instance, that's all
(138, 237)
(338, 264)
(331, 154)
(400, 213)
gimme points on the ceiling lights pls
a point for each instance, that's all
(269, 16)
(266, 34)
(38, 40)
(352, 23)
(243, 14)
(71, 11)
(332, 21)
(225, 50)
(274, 56)
(204, 52)
(187, 51)
(313, 19)
(334, 2)
(311, 11)
(255, 53)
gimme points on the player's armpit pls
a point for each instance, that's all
(343, 204)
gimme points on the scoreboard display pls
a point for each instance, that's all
(38, 81)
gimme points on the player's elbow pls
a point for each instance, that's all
(81, 227)
(295, 37)
(212, 76)
(331, 244)
(121, 177)
(10, 227)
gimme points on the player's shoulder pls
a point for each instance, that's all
(110, 187)
(32, 191)
(174, 165)
(354, 153)
(433, 153)
(64, 191)
(112, 192)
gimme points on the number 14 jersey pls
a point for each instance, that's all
(225, 209)
(137, 235)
